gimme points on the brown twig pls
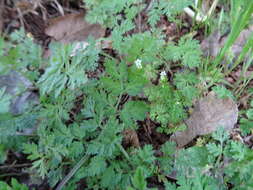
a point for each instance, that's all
(1, 16)
(12, 174)
(15, 166)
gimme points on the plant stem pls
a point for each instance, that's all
(123, 151)
(15, 166)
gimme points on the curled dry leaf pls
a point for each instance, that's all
(73, 27)
(209, 113)
(131, 137)
(25, 6)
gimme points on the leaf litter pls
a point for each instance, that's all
(209, 113)
(212, 45)
(73, 28)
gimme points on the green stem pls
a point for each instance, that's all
(117, 105)
(123, 151)
(13, 174)
(107, 55)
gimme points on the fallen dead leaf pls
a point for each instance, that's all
(236, 135)
(213, 43)
(229, 79)
(209, 113)
(72, 28)
(237, 74)
(244, 100)
(131, 137)
(24, 6)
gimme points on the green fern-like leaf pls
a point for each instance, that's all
(187, 51)
(174, 7)
(246, 124)
(133, 111)
(22, 53)
(67, 71)
(15, 185)
(10, 126)
(108, 13)
(144, 46)
(96, 166)
(186, 82)
(5, 101)
(139, 181)
(169, 8)
(166, 104)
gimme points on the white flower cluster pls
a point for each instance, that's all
(138, 63)
(79, 47)
(163, 75)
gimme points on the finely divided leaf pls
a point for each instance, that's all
(187, 51)
(139, 181)
(133, 111)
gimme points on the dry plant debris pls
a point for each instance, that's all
(131, 137)
(73, 27)
(213, 43)
(210, 113)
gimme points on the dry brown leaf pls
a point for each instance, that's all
(237, 74)
(24, 6)
(213, 43)
(131, 137)
(209, 113)
(73, 27)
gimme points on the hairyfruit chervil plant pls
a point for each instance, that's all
(93, 135)
(71, 145)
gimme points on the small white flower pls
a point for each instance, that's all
(138, 63)
(78, 47)
(163, 75)
(29, 35)
(177, 103)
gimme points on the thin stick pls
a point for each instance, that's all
(72, 172)
(12, 174)
(1, 16)
(15, 166)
